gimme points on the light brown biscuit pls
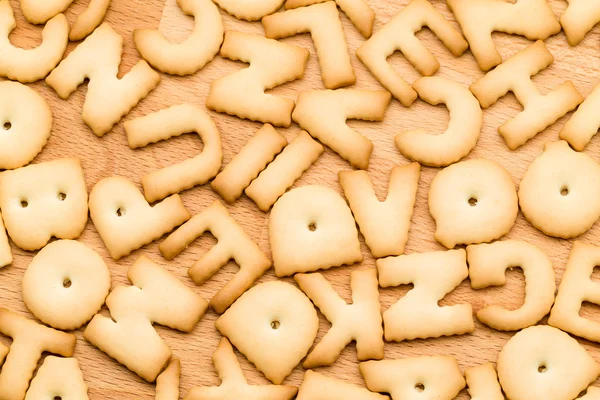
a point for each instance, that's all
(311, 228)
(584, 122)
(242, 93)
(592, 393)
(30, 340)
(253, 158)
(5, 252)
(279, 326)
(539, 111)
(172, 122)
(281, 174)
(41, 11)
(22, 137)
(45, 200)
(316, 386)
(233, 243)
(108, 98)
(89, 20)
(466, 120)
(29, 65)
(360, 321)
(65, 284)
(384, 224)
(193, 53)
(433, 377)
(487, 266)
(323, 23)
(565, 185)
(234, 384)
(478, 19)
(482, 381)
(541, 362)
(417, 315)
(323, 113)
(58, 378)
(250, 10)
(399, 35)
(125, 221)
(358, 11)
(167, 383)
(578, 19)
(473, 201)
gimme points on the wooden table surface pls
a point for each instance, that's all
(110, 155)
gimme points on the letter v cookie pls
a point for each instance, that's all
(58, 378)
(242, 93)
(316, 386)
(579, 18)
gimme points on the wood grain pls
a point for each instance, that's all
(110, 155)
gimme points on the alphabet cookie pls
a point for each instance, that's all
(584, 122)
(5, 252)
(466, 120)
(482, 381)
(108, 98)
(89, 20)
(399, 35)
(487, 265)
(125, 221)
(316, 386)
(417, 315)
(360, 321)
(193, 53)
(323, 23)
(323, 113)
(234, 384)
(40, 11)
(565, 184)
(273, 325)
(167, 383)
(578, 19)
(58, 377)
(541, 362)
(539, 111)
(172, 122)
(312, 228)
(65, 284)
(242, 93)
(472, 202)
(533, 19)
(233, 243)
(45, 200)
(252, 10)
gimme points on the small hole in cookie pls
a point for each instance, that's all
(7, 126)
(542, 368)
(24, 203)
(67, 283)
(564, 191)
(419, 387)
(312, 227)
(275, 325)
(120, 212)
(62, 196)
(57, 398)
(472, 201)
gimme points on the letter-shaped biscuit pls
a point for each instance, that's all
(44, 200)
(312, 228)
(32, 64)
(108, 98)
(30, 340)
(233, 243)
(22, 137)
(542, 362)
(323, 113)
(565, 185)
(323, 23)
(575, 288)
(193, 53)
(253, 158)
(316, 386)
(399, 35)
(533, 19)
(155, 297)
(281, 174)
(5, 252)
(417, 315)
(466, 119)
(242, 93)
(579, 18)
(58, 378)
(169, 123)
(234, 384)
(89, 20)
(473, 201)
(167, 383)
(359, 321)
(40, 11)
(487, 266)
(539, 111)
(384, 224)
(250, 10)
(125, 221)
(482, 381)
(279, 326)
(358, 11)
(584, 122)
(66, 284)
(433, 377)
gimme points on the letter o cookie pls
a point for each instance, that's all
(21, 136)
(560, 190)
(473, 201)
(66, 284)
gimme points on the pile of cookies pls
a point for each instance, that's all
(67, 285)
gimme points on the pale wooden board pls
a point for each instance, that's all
(110, 156)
